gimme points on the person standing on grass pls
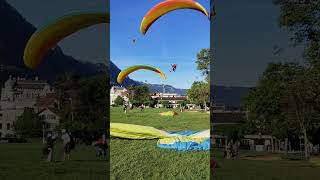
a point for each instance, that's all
(101, 147)
(142, 107)
(125, 108)
(104, 145)
(48, 150)
(66, 144)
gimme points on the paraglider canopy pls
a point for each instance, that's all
(47, 37)
(124, 73)
(165, 7)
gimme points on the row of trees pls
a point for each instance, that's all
(82, 102)
(286, 101)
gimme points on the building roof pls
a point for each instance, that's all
(31, 84)
(46, 101)
(53, 110)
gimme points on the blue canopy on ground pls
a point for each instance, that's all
(182, 141)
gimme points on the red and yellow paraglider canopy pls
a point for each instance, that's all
(165, 7)
(124, 73)
(46, 38)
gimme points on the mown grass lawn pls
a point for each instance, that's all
(23, 162)
(142, 159)
(264, 169)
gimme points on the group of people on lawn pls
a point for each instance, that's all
(68, 143)
(125, 107)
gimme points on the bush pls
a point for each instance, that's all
(165, 104)
(119, 101)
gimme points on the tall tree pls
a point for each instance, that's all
(303, 104)
(266, 103)
(301, 18)
(139, 95)
(28, 124)
(199, 93)
(203, 62)
(83, 102)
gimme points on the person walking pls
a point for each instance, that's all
(66, 144)
(48, 150)
(125, 108)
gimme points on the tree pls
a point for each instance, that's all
(267, 103)
(199, 93)
(151, 102)
(301, 18)
(119, 101)
(28, 124)
(165, 104)
(183, 103)
(83, 102)
(303, 106)
(203, 62)
(139, 95)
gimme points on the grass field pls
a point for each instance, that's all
(23, 162)
(265, 169)
(142, 159)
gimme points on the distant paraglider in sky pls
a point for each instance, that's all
(47, 37)
(165, 7)
(173, 67)
(124, 73)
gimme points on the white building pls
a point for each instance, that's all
(116, 91)
(50, 117)
(17, 94)
(167, 95)
(173, 98)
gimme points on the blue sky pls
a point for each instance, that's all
(176, 37)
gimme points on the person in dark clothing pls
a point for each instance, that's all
(101, 147)
(125, 108)
(48, 149)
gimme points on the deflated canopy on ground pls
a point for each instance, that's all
(124, 73)
(165, 7)
(183, 141)
(46, 38)
(169, 113)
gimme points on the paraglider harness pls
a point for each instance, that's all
(174, 67)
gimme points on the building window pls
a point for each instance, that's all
(0, 125)
(8, 126)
